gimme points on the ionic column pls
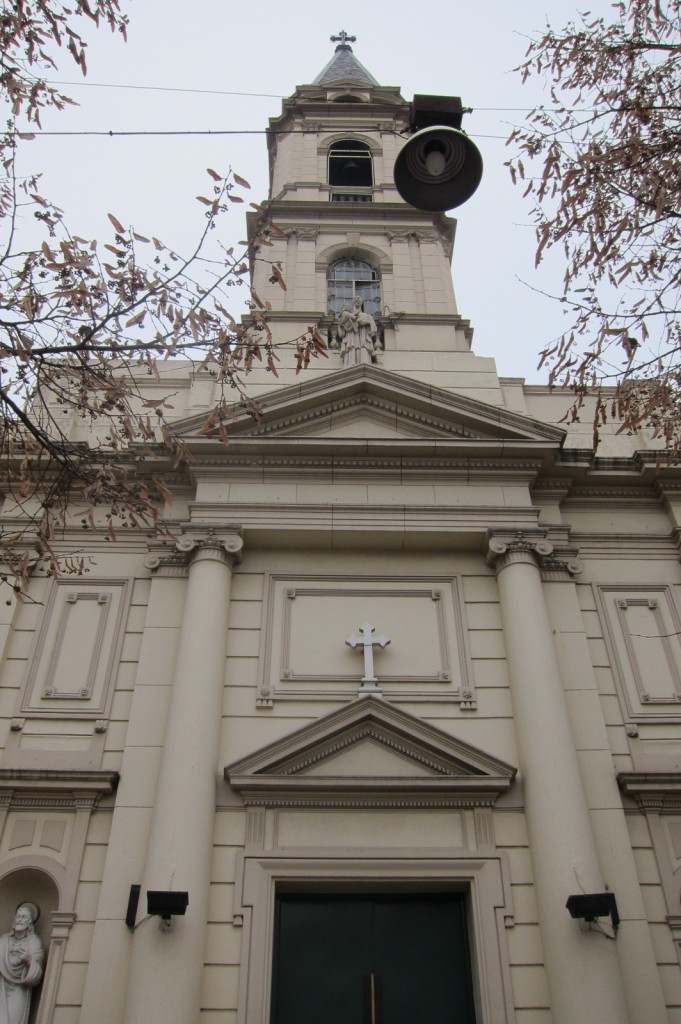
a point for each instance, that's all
(582, 968)
(166, 966)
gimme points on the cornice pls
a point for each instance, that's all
(305, 210)
(311, 103)
(654, 791)
(296, 459)
(95, 541)
(343, 799)
(592, 496)
(591, 471)
(34, 782)
(142, 459)
(624, 545)
(323, 318)
(441, 455)
(666, 488)
(548, 490)
(461, 785)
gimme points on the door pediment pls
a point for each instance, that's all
(375, 751)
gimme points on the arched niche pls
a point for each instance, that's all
(31, 885)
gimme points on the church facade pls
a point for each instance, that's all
(408, 681)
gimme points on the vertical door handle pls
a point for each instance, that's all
(373, 1009)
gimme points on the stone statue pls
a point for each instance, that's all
(21, 966)
(358, 332)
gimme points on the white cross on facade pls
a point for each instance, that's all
(368, 642)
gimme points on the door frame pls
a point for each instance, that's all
(485, 880)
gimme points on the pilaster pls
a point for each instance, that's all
(62, 922)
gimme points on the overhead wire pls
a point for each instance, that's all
(166, 88)
(256, 95)
(111, 133)
(207, 131)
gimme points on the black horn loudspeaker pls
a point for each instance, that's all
(438, 168)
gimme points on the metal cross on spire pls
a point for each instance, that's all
(368, 642)
(343, 38)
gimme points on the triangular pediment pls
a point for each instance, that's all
(367, 402)
(373, 748)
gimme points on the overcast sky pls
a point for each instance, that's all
(199, 66)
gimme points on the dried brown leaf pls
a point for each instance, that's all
(117, 224)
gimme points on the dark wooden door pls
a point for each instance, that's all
(359, 959)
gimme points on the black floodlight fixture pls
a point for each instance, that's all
(167, 904)
(439, 167)
(589, 906)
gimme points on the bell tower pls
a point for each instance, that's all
(344, 233)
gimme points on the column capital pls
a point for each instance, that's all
(503, 550)
(533, 549)
(227, 546)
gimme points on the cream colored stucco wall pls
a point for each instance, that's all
(115, 842)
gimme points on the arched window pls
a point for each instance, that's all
(350, 278)
(350, 165)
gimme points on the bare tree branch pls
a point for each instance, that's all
(606, 189)
(80, 320)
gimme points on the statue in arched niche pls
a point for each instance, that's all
(21, 965)
(358, 333)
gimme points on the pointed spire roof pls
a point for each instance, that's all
(344, 66)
